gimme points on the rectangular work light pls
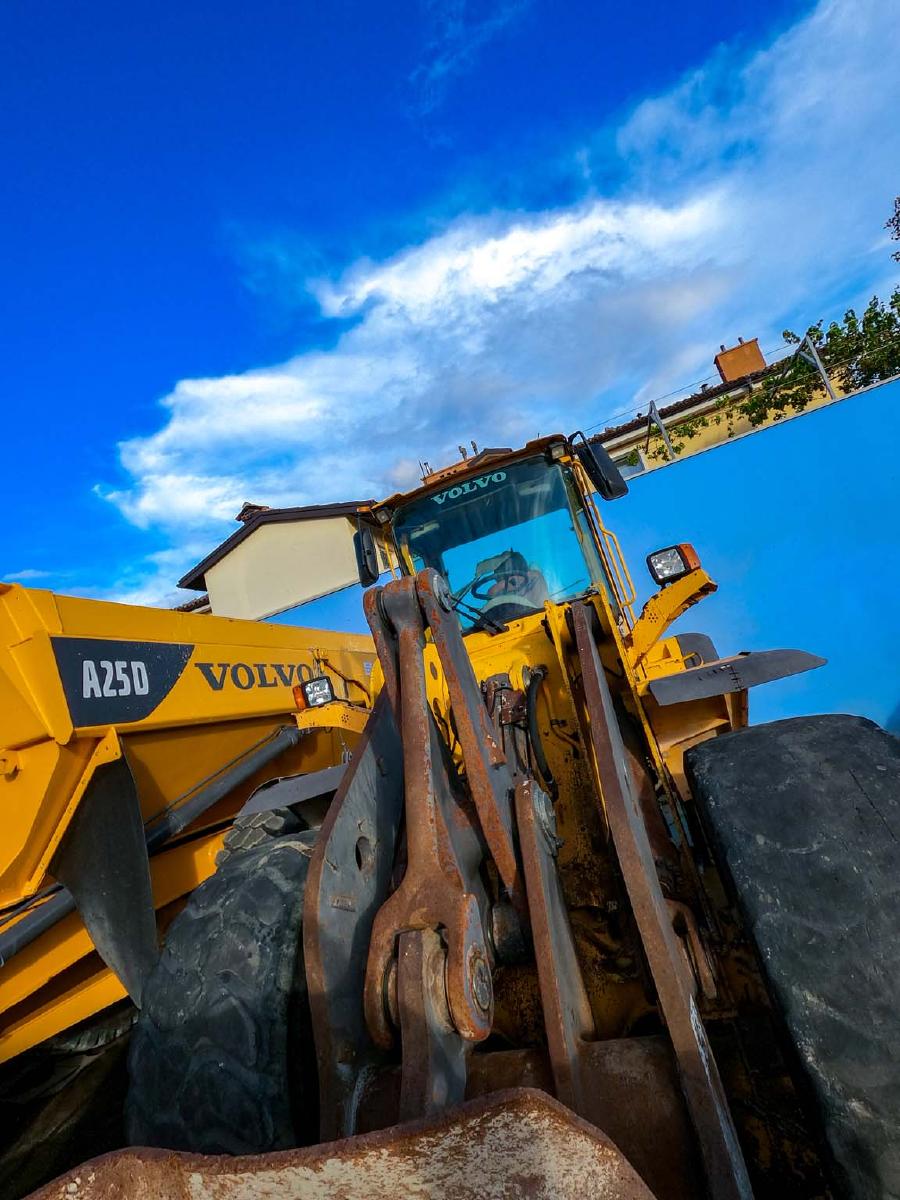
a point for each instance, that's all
(673, 562)
(314, 693)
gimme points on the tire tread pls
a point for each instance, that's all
(209, 1061)
(805, 815)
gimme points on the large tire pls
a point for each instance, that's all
(257, 829)
(218, 1054)
(805, 815)
(62, 1101)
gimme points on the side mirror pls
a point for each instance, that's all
(366, 556)
(601, 470)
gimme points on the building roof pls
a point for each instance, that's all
(711, 393)
(196, 577)
(193, 604)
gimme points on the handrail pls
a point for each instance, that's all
(610, 551)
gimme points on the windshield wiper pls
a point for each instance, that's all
(476, 616)
(490, 624)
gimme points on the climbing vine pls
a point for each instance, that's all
(856, 351)
(893, 224)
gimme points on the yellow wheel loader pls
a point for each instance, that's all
(510, 900)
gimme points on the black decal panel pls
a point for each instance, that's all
(109, 682)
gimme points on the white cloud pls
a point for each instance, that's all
(458, 35)
(151, 582)
(29, 575)
(537, 255)
(754, 196)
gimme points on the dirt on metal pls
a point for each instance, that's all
(513, 1144)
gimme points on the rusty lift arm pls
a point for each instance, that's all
(402, 867)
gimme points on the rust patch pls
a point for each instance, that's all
(513, 1144)
(726, 1172)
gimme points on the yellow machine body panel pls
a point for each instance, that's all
(72, 670)
(181, 697)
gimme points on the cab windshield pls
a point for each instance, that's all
(506, 541)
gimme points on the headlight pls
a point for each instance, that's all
(672, 563)
(314, 692)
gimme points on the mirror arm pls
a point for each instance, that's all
(599, 467)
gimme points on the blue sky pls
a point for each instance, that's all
(281, 252)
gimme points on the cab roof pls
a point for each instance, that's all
(468, 467)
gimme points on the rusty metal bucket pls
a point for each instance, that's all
(516, 1143)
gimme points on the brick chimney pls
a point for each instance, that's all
(249, 511)
(738, 361)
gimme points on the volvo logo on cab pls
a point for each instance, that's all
(469, 485)
(253, 675)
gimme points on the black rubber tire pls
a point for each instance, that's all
(216, 1062)
(257, 829)
(61, 1102)
(96, 1033)
(805, 816)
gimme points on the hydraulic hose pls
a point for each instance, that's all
(538, 675)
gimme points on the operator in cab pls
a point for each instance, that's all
(508, 587)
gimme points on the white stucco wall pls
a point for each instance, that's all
(281, 565)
